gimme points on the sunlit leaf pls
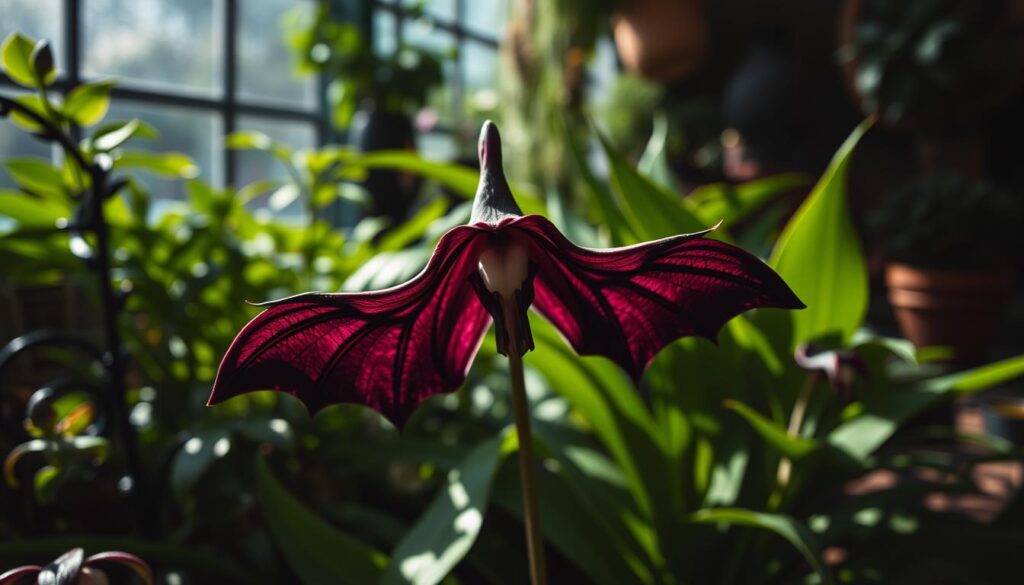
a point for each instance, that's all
(16, 55)
(111, 136)
(37, 176)
(30, 212)
(732, 203)
(446, 531)
(88, 103)
(866, 432)
(166, 164)
(819, 256)
(317, 552)
(609, 211)
(652, 213)
(459, 179)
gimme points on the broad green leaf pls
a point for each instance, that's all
(111, 136)
(284, 196)
(789, 528)
(317, 552)
(248, 140)
(820, 257)
(651, 212)
(618, 228)
(653, 162)
(792, 447)
(604, 395)
(446, 531)
(387, 269)
(165, 164)
(461, 180)
(30, 212)
(16, 55)
(88, 103)
(866, 432)
(37, 176)
(732, 203)
(413, 228)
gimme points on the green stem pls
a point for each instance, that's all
(527, 480)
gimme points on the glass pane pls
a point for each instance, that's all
(265, 65)
(442, 9)
(437, 146)
(385, 30)
(480, 68)
(255, 166)
(486, 17)
(38, 19)
(422, 34)
(196, 133)
(170, 44)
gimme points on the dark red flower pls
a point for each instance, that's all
(392, 349)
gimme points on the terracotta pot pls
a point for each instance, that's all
(661, 39)
(948, 308)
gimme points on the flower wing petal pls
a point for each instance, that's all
(387, 349)
(628, 303)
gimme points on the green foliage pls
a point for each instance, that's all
(317, 552)
(657, 484)
(819, 255)
(399, 82)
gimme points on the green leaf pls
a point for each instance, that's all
(37, 176)
(44, 483)
(42, 63)
(248, 140)
(88, 103)
(789, 528)
(795, 448)
(30, 212)
(863, 434)
(819, 256)
(651, 212)
(609, 211)
(166, 164)
(317, 552)
(111, 136)
(284, 196)
(461, 180)
(16, 56)
(21, 120)
(446, 531)
(732, 203)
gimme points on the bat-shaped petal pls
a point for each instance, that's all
(392, 349)
(628, 303)
(388, 349)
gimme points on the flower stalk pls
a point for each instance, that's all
(527, 480)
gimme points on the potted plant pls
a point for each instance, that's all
(661, 39)
(372, 96)
(931, 67)
(951, 243)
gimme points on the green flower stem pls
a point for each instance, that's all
(527, 465)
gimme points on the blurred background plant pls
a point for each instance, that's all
(788, 453)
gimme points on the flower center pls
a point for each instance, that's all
(504, 269)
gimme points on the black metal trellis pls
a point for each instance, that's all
(88, 220)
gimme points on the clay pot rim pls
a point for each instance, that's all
(899, 275)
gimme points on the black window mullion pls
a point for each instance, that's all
(229, 100)
(72, 50)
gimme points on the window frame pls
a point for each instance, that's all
(226, 103)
